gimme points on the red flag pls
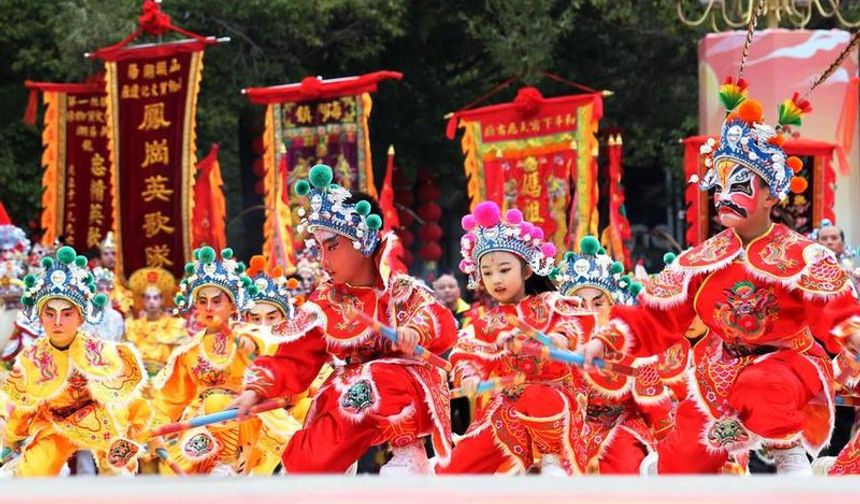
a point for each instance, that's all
(4, 217)
(386, 195)
(209, 205)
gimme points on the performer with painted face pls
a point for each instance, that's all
(626, 415)
(203, 375)
(155, 332)
(540, 418)
(383, 394)
(766, 294)
(71, 390)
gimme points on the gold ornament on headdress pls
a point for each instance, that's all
(158, 278)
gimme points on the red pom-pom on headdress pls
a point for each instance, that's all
(751, 111)
(794, 163)
(798, 184)
(256, 265)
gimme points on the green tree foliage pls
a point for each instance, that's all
(450, 51)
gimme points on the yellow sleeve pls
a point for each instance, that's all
(177, 391)
(17, 426)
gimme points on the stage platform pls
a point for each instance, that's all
(448, 490)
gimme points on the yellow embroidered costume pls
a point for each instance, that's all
(155, 338)
(203, 375)
(86, 396)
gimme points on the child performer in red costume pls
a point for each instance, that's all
(382, 394)
(541, 418)
(765, 292)
(626, 415)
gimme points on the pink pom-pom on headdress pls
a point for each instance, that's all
(514, 216)
(468, 222)
(464, 265)
(548, 249)
(537, 232)
(487, 213)
(527, 228)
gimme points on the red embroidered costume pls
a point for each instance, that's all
(380, 395)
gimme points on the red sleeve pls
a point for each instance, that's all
(837, 313)
(473, 356)
(292, 368)
(436, 325)
(661, 319)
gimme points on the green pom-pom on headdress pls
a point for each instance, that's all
(374, 222)
(100, 300)
(362, 207)
(635, 288)
(80, 261)
(66, 255)
(554, 274)
(92, 288)
(206, 255)
(569, 256)
(589, 245)
(669, 258)
(616, 268)
(253, 290)
(189, 268)
(246, 281)
(29, 281)
(601, 251)
(240, 268)
(320, 176)
(179, 299)
(227, 253)
(47, 262)
(624, 282)
(302, 188)
(27, 301)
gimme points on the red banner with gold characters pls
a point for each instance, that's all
(77, 179)
(310, 122)
(151, 109)
(534, 153)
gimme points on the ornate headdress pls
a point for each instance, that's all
(486, 231)
(107, 242)
(207, 270)
(592, 267)
(747, 141)
(329, 211)
(272, 286)
(14, 240)
(66, 277)
(149, 277)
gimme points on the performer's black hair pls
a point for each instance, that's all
(374, 206)
(536, 284)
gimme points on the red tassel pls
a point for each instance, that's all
(32, 107)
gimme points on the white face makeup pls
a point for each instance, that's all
(735, 196)
(265, 314)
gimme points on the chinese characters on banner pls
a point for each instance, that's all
(77, 202)
(532, 154)
(152, 104)
(315, 121)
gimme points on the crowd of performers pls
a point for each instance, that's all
(744, 342)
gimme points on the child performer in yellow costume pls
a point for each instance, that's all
(203, 375)
(71, 390)
(154, 332)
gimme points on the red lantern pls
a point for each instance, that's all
(406, 237)
(430, 212)
(257, 146)
(429, 192)
(259, 168)
(405, 217)
(408, 258)
(430, 232)
(431, 251)
(404, 198)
